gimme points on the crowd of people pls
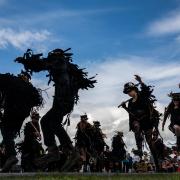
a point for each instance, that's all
(19, 99)
(95, 154)
(117, 158)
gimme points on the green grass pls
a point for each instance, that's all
(99, 177)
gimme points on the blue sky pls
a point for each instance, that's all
(114, 38)
(95, 29)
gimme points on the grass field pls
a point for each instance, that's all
(93, 177)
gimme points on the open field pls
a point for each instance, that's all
(68, 176)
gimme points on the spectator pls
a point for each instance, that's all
(167, 166)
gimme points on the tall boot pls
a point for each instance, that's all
(73, 158)
(53, 156)
(148, 135)
(9, 163)
(139, 141)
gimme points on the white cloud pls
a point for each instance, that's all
(167, 25)
(52, 16)
(23, 39)
(83, 12)
(101, 102)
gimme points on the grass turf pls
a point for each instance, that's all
(92, 177)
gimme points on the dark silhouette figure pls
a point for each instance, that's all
(83, 140)
(17, 98)
(118, 151)
(173, 111)
(31, 148)
(68, 79)
(143, 117)
(98, 145)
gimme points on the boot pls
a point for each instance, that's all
(72, 158)
(9, 163)
(53, 155)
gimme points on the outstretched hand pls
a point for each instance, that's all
(123, 105)
(138, 78)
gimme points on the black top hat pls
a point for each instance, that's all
(174, 96)
(120, 133)
(96, 123)
(128, 87)
(84, 117)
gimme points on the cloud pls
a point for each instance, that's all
(169, 24)
(23, 39)
(101, 102)
(52, 16)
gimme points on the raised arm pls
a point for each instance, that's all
(32, 62)
(146, 90)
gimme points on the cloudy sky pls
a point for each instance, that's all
(114, 39)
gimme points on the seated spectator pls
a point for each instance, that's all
(142, 167)
(167, 166)
(150, 167)
(178, 169)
